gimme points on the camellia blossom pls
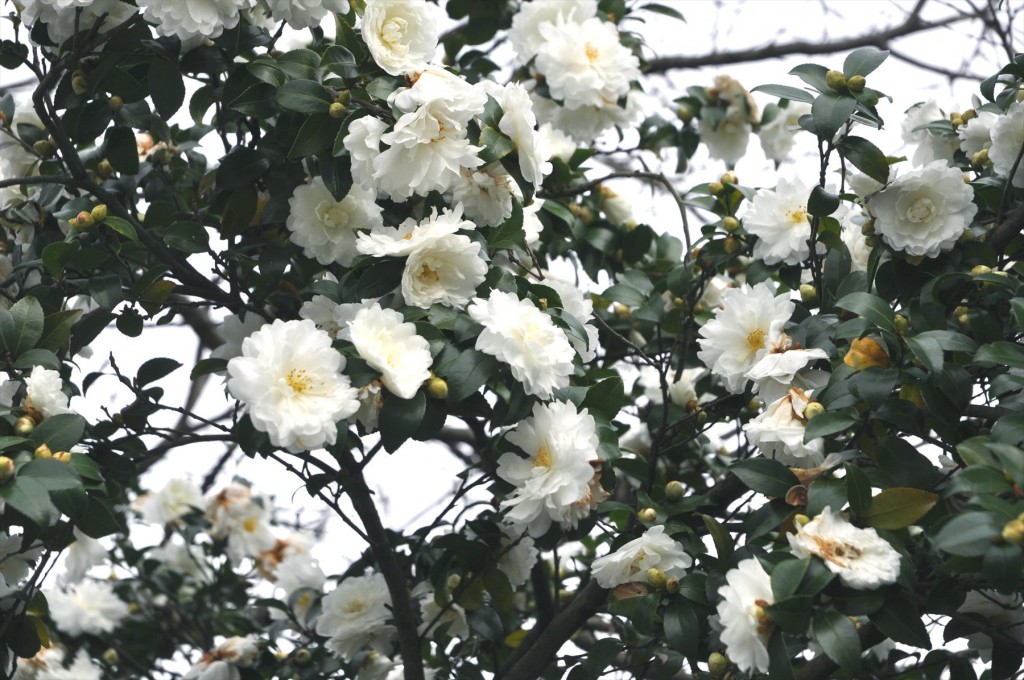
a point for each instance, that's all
(519, 554)
(580, 307)
(44, 392)
(1007, 140)
(89, 607)
(192, 19)
(389, 344)
(745, 328)
(355, 614)
(727, 135)
(223, 662)
(654, 549)
(401, 34)
(486, 194)
(924, 212)
(301, 14)
(560, 443)
(234, 330)
(326, 228)
(289, 379)
(525, 34)
(179, 497)
(452, 617)
(780, 221)
(363, 144)
(525, 338)
(745, 627)
(410, 236)
(778, 136)
(862, 559)
(446, 271)
(83, 554)
(931, 146)
(976, 134)
(62, 16)
(584, 64)
(519, 122)
(778, 432)
(775, 373)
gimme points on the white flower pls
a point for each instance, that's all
(301, 14)
(363, 144)
(87, 607)
(179, 558)
(554, 143)
(188, 20)
(446, 270)
(584, 64)
(389, 344)
(178, 498)
(654, 549)
(780, 221)
(585, 123)
(233, 330)
(251, 535)
(486, 194)
(227, 508)
(224, 661)
(44, 392)
(355, 614)
(519, 122)
(532, 226)
(747, 325)
(325, 228)
(778, 136)
(82, 555)
(371, 399)
(401, 34)
(289, 379)
(453, 618)
(561, 442)
(616, 207)
(930, 145)
(300, 572)
(977, 133)
(1007, 140)
(745, 630)
(15, 562)
(525, 34)
(855, 240)
(519, 554)
(60, 15)
(681, 392)
(775, 373)
(924, 211)
(320, 310)
(778, 433)
(582, 308)
(82, 668)
(525, 338)
(861, 558)
(410, 236)
(1003, 613)
(728, 141)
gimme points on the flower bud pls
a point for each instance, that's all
(684, 113)
(980, 159)
(836, 80)
(437, 388)
(453, 581)
(718, 664)
(648, 514)
(730, 224)
(672, 585)
(110, 656)
(808, 293)
(104, 169)
(732, 245)
(656, 577)
(6, 469)
(62, 456)
(729, 178)
(99, 213)
(337, 110)
(85, 219)
(856, 83)
(865, 353)
(901, 323)
(43, 451)
(622, 312)
(980, 270)
(957, 121)
(868, 228)
(969, 114)
(915, 260)
(716, 188)
(800, 520)
(1013, 532)
(43, 147)
(813, 408)
(24, 425)
(674, 490)
(115, 103)
(79, 83)
(303, 657)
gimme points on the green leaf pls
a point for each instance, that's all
(400, 418)
(52, 474)
(786, 577)
(21, 327)
(168, 91)
(122, 151)
(315, 135)
(267, 71)
(663, 9)
(871, 307)
(822, 203)
(240, 167)
(1002, 352)
(1003, 565)
(338, 59)
(60, 432)
(865, 156)
(779, 665)
(467, 373)
(831, 112)
(863, 61)
(792, 614)
(786, 92)
(828, 423)
(207, 366)
(57, 255)
(682, 628)
(9, 442)
(858, 488)
(57, 329)
(899, 619)
(766, 476)
(154, 369)
(723, 541)
(302, 64)
(188, 237)
(606, 397)
(100, 520)
(969, 534)
(123, 227)
(813, 75)
(73, 502)
(509, 233)
(304, 96)
(29, 497)
(899, 507)
(257, 100)
(837, 636)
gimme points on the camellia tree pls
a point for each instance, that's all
(385, 236)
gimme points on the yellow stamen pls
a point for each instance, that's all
(591, 53)
(542, 458)
(299, 380)
(755, 340)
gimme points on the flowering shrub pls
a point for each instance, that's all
(785, 440)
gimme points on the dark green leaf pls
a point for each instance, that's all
(57, 329)
(682, 628)
(509, 234)
(207, 366)
(813, 75)
(766, 476)
(400, 418)
(899, 507)
(858, 488)
(837, 636)
(60, 432)
(240, 167)
(154, 369)
(828, 423)
(1003, 566)
(606, 397)
(1002, 352)
(871, 307)
(723, 541)
(822, 203)
(123, 227)
(168, 91)
(779, 665)
(863, 61)
(304, 96)
(865, 156)
(786, 92)
(315, 135)
(899, 619)
(188, 237)
(786, 577)
(969, 534)
(52, 474)
(100, 520)
(663, 9)
(29, 497)
(57, 255)
(21, 327)
(467, 373)
(831, 112)
(122, 150)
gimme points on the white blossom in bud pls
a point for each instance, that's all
(1007, 140)
(356, 614)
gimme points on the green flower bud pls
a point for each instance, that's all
(856, 83)
(24, 425)
(836, 80)
(656, 577)
(437, 388)
(104, 169)
(674, 490)
(115, 103)
(812, 409)
(99, 213)
(648, 514)
(6, 469)
(808, 293)
(79, 83)
(337, 110)
(730, 224)
(718, 664)
(43, 147)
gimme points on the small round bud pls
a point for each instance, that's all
(656, 577)
(980, 270)
(868, 228)
(702, 416)
(901, 323)
(968, 115)
(85, 219)
(110, 657)
(871, 241)
(718, 664)
(716, 188)
(437, 388)
(23, 426)
(856, 83)
(80, 84)
(729, 178)
(1013, 532)
(674, 490)
(99, 213)
(754, 405)
(104, 169)
(808, 293)
(115, 103)
(678, 301)
(43, 147)
(730, 224)
(303, 657)
(980, 159)
(134, 608)
(43, 451)
(453, 581)
(672, 585)
(684, 113)
(62, 456)
(622, 312)
(648, 514)
(836, 80)
(6, 469)
(957, 121)
(812, 409)
(732, 245)
(337, 110)
(801, 520)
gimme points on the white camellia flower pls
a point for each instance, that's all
(446, 271)
(15, 563)
(410, 236)
(452, 617)
(363, 144)
(931, 146)
(321, 310)
(561, 442)
(584, 64)
(775, 373)
(228, 508)
(81, 668)
(924, 212)
(862, 559)
(778, 432)
(60, 15)
(289, 379)
(532, 226)
(525, 34)
(187, 560)
(233, 330)
(654, 549)
(326, 228)
(976, 134)
(1007, 139)
(745, 328)
(179, 497)
(851, 221)
(586, 123)
(83, 554)
(616, 207)
(779, 136)
(89, 607)
(745, 629)
(525, 338)
(192, 19)
(389, 344)
(582, 308)
(299, 572)
(780, 221)
(681, 392)
(519, 554)
(302, 14)
(355, 614)
(486, 194)
(44, 392)
(223, 662)
(519, 122)
(727, 137)
(401, 34)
